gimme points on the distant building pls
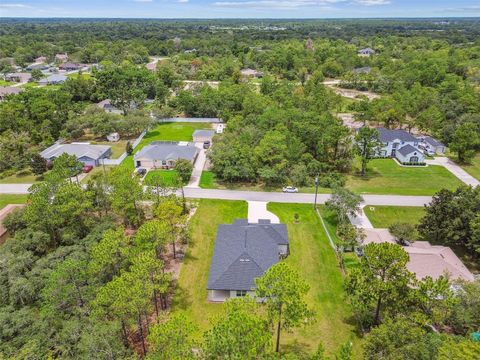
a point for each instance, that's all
(8, 90)
(113, 137)
(244, 252)
(37, 67)
(68, 66)
(18, 77)
(251, 73)
(41, 60)
(86, 153)
(61, 58)
(366, 52)
(165, 154)
(362, 70)
(108, 107)
(55, 79)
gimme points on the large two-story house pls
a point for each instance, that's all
(243, 252)
(400, 145)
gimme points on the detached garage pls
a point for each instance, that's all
(203, 135)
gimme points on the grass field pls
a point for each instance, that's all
(22, 177)
(5, 83)
(384, 216)
(385, 176)
(118, 147)
(311, 255)
(191, 291)
(6, 199)
(473, 168)
(168, 176)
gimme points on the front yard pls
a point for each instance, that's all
(168, 176)
(384, 216)
(311, 255)
(21, 177)
(6, 199)
(385, 176)
(473, 168)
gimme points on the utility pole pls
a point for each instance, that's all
(316, 192)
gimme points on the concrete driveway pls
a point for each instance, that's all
(198, 166)
(456, 170)
(257, 210)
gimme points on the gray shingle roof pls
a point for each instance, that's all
(78, 149)
(407, 149)
(243, 252)
(431, 141)
(201, 132)
(167, 151)
(387, 135)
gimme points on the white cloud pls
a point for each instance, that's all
(13, 6)
(143, 1)
(373, 2)
(277, 4)
(182, 1)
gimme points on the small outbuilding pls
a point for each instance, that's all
(251, 73)
(203, 135)
(113, 137)
(366, 52)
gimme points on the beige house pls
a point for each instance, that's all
(165, 154)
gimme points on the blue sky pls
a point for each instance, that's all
(239, 8)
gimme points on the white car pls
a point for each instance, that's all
(290, 189)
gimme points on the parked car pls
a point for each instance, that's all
(290, 189)
(87, 168)
(140, 171)
(206, 144)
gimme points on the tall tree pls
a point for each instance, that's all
(366, 144)
(171, 214)
(345, 203)
(283, 290)
(465, 140)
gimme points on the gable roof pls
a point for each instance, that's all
(77, 149)
(367, 50)
(431, 141)
(158, 150)
(202, 132)
(387, 135)
(243, 252)
(407, 149)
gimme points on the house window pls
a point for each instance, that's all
(414, 159)
(164, 162)
(241, 293)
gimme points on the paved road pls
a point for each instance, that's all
(394, 200)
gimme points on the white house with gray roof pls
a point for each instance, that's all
(243, 252)
(54, 79)
(431, 144)
(86, 153)
(401, 145)
(165, 154)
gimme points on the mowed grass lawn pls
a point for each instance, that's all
(385, 176)
(473, 168)
(312, 256)
(168, 176)
(384, 216)
(6, 199)
(22, 177)
(191, 291)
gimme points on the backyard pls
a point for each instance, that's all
(385, 176)
(384, 216)
(311, 255)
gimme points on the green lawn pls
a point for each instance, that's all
(76, 75)
(312, 256)
(385, 176)
(21, 177)
(168, 176)
(6, 199)
(191, 291)
(118, 147)
(384, 216)
(473, 168)
(5, 83)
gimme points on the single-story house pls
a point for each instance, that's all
(251, 73)
(366, 52)
(61, 58)
(432, 144)
(362, 70)
(203, 135)
(54, 79)
(425, 259)
(18, 77)
(399, 144)
(8, 90)
(37, 67)
(41, 60)
(108, 107)
(164, 154)
(86, 153)
(68, 66)
(243, 252)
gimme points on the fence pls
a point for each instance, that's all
(122, 157)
